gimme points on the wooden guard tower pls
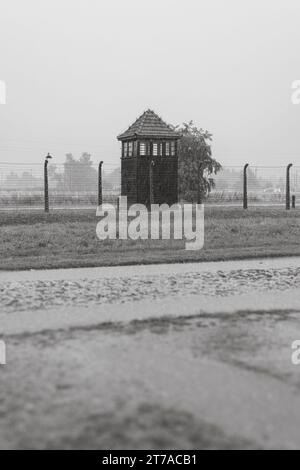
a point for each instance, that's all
(149, 162)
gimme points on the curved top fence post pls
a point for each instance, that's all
(46, 184)
(288, 187)
(100, 196)
(245, 188)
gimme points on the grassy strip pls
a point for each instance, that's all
(35, 240)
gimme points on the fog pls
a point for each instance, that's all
(78, 72)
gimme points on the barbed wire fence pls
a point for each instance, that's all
(256, 185)
(69, 185)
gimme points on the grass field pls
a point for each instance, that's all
(35, 240)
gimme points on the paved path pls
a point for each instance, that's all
(171, 356)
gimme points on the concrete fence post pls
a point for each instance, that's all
(46, 183)
(151, 182)
(288, 187)
(245, 187)
(199, 198)
(100, 195)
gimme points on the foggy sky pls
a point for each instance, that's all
(79, 72)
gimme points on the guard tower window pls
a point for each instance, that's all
(155, 149)
(125, 149)
(143, 148)
(172, 149)
(167, 148)
(130, 148)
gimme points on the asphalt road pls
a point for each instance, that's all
(180, 356)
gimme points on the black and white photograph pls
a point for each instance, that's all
(149, 228)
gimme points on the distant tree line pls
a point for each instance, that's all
(232, 180)
(77, 175)
(199, 172)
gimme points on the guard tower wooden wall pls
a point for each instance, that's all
(149, 141)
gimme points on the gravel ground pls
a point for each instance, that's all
(39, 292)
(209, 367)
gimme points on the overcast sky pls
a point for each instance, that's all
(78, 72)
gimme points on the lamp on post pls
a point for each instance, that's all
(46, 185)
